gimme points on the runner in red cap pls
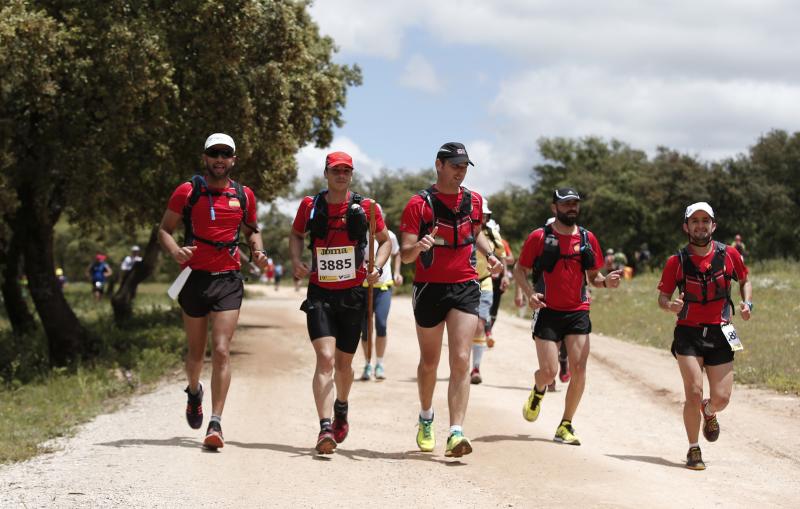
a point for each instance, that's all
(563, 258)
(441, 230)
(336, 223)
(99, 271)
(704, 337)
(212, 208)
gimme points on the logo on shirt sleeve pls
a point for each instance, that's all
(234, 203)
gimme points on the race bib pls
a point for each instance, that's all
(732, 338)
(336, 264)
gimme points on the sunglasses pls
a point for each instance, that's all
(214, 153)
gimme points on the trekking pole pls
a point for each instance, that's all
(371, 266)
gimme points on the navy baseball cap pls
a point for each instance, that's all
(454, 152)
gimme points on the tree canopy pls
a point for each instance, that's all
(104, 108)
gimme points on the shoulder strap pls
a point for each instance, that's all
(425, 227)
(465, 208)
(198, 183)
(240, 195)
(426, 196)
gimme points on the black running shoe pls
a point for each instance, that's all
(194, 408)
(710, 424)
(694, 459)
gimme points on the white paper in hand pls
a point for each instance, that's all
(177, 286)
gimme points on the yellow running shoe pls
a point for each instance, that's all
(457, 445)
(565, 434)
(426, 440)
(531, 409)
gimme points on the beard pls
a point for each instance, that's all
(567, 219)
(700, 241)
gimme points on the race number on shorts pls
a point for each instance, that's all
(336, 264)
(732, 338)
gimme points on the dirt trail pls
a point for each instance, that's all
(629, 422)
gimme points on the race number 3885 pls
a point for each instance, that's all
(336, 263)
(732, 337)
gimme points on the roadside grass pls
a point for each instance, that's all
(771, 357)
(38, 404)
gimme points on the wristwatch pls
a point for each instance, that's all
(749, 304)
(380, 271)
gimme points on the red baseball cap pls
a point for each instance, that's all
(338, 158)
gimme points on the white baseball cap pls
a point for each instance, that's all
(486, 209)
(550, 220)
(220, 139)
(701, 205)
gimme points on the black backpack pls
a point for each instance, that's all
(355, 220)
(551, 254)
(200, 188)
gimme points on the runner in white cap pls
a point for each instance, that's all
(704, 338)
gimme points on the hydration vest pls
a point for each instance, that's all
(695, 284)
(355, 219)
(551, 254)
(460, 221)
(200, 188)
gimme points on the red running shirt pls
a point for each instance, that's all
(700, 314)
(228, 213)
(564, 286)
(449, 265)
(338, 275)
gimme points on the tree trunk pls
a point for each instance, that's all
(122, 301)
(21, 318)
(66, 337)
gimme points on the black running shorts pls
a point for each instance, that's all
(432, 301)
(553, 325)
(336, 313)
(205, 292)
(706, 342)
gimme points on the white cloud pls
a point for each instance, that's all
(419, 74)
(721, 38)
(713, 118)
(367, 27)
(311, 163)
(705, 77)
(311, 160)
(498, 164)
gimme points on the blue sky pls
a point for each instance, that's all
(703, 77)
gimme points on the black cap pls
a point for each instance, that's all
(564, 194)
(454, 152)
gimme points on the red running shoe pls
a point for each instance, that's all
(325, 442)
(340, 428)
